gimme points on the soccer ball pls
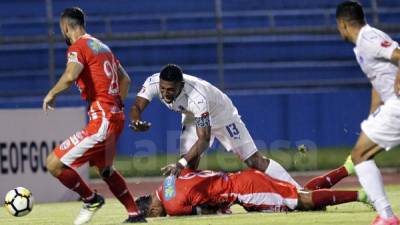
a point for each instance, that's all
(19, 201)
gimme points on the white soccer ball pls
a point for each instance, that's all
(19, 201)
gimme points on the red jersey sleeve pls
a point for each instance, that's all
(76, 54)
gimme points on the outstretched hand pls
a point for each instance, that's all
(48, 102)
(172, 169)
(139, 126)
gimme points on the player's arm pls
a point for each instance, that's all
(202, 143)
(375, 101)
(69, 76)
(203, 130)
(135, 113)
(396, 59)
(124, 82)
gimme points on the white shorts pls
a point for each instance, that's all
(234, 137)
(383, 126)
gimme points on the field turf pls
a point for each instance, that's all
(219, 160)
(113, 213)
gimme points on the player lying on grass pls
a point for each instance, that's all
(208, 192)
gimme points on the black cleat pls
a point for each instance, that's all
(136, 219)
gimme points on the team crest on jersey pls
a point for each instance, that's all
(98, 47)
(169, 188)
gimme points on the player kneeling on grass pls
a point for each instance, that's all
(208, 192)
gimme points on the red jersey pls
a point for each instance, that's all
(98, 80)
(252, 189)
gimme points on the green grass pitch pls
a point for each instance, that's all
(113, 213)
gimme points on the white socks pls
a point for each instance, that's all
(371, 180)
(276, 171)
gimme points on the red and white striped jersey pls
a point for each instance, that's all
(252, 189)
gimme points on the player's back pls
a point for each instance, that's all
(373, 52)
(220, 105)
(193, 188)
(99, 79)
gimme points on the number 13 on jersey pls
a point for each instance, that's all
(233, 131)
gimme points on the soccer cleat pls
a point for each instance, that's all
(136, 219)
(363, 197)
(349, 165)
(382, 221)
(88, 210)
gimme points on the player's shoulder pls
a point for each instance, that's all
(153, 79)
(91, 44)
(374, 36)
(195, 88)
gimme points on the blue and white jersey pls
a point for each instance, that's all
(373, 51)
(197, 99)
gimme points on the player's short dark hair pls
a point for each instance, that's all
(171, 72)
(351, 11)
(143, 203)
(75, 16)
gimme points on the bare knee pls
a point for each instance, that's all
(356, 156)
(359, 155)
(257, 161)
(54, 165)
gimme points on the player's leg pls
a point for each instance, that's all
(69, 177)
(270, 167)
(236, 138)
(103, 159)
(327, 180)
(380, 131)
(257, 192)
(119, 188)
(310, 200)
(72, 153)
(369, 175)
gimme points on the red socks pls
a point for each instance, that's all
(72, 180)
(327, 180)
(324, 197)
(118, 187)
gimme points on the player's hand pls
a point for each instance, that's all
(49, 102)
(172, 169)
(139, 126)
(397, 85)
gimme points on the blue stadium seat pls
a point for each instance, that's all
(390, 18)
(238, 5)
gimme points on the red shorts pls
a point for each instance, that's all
(96, 143)
(256, 191)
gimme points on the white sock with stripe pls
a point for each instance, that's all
(371, 180)
(276, 171)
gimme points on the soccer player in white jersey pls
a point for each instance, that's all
(378, 56)
(207, 113)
